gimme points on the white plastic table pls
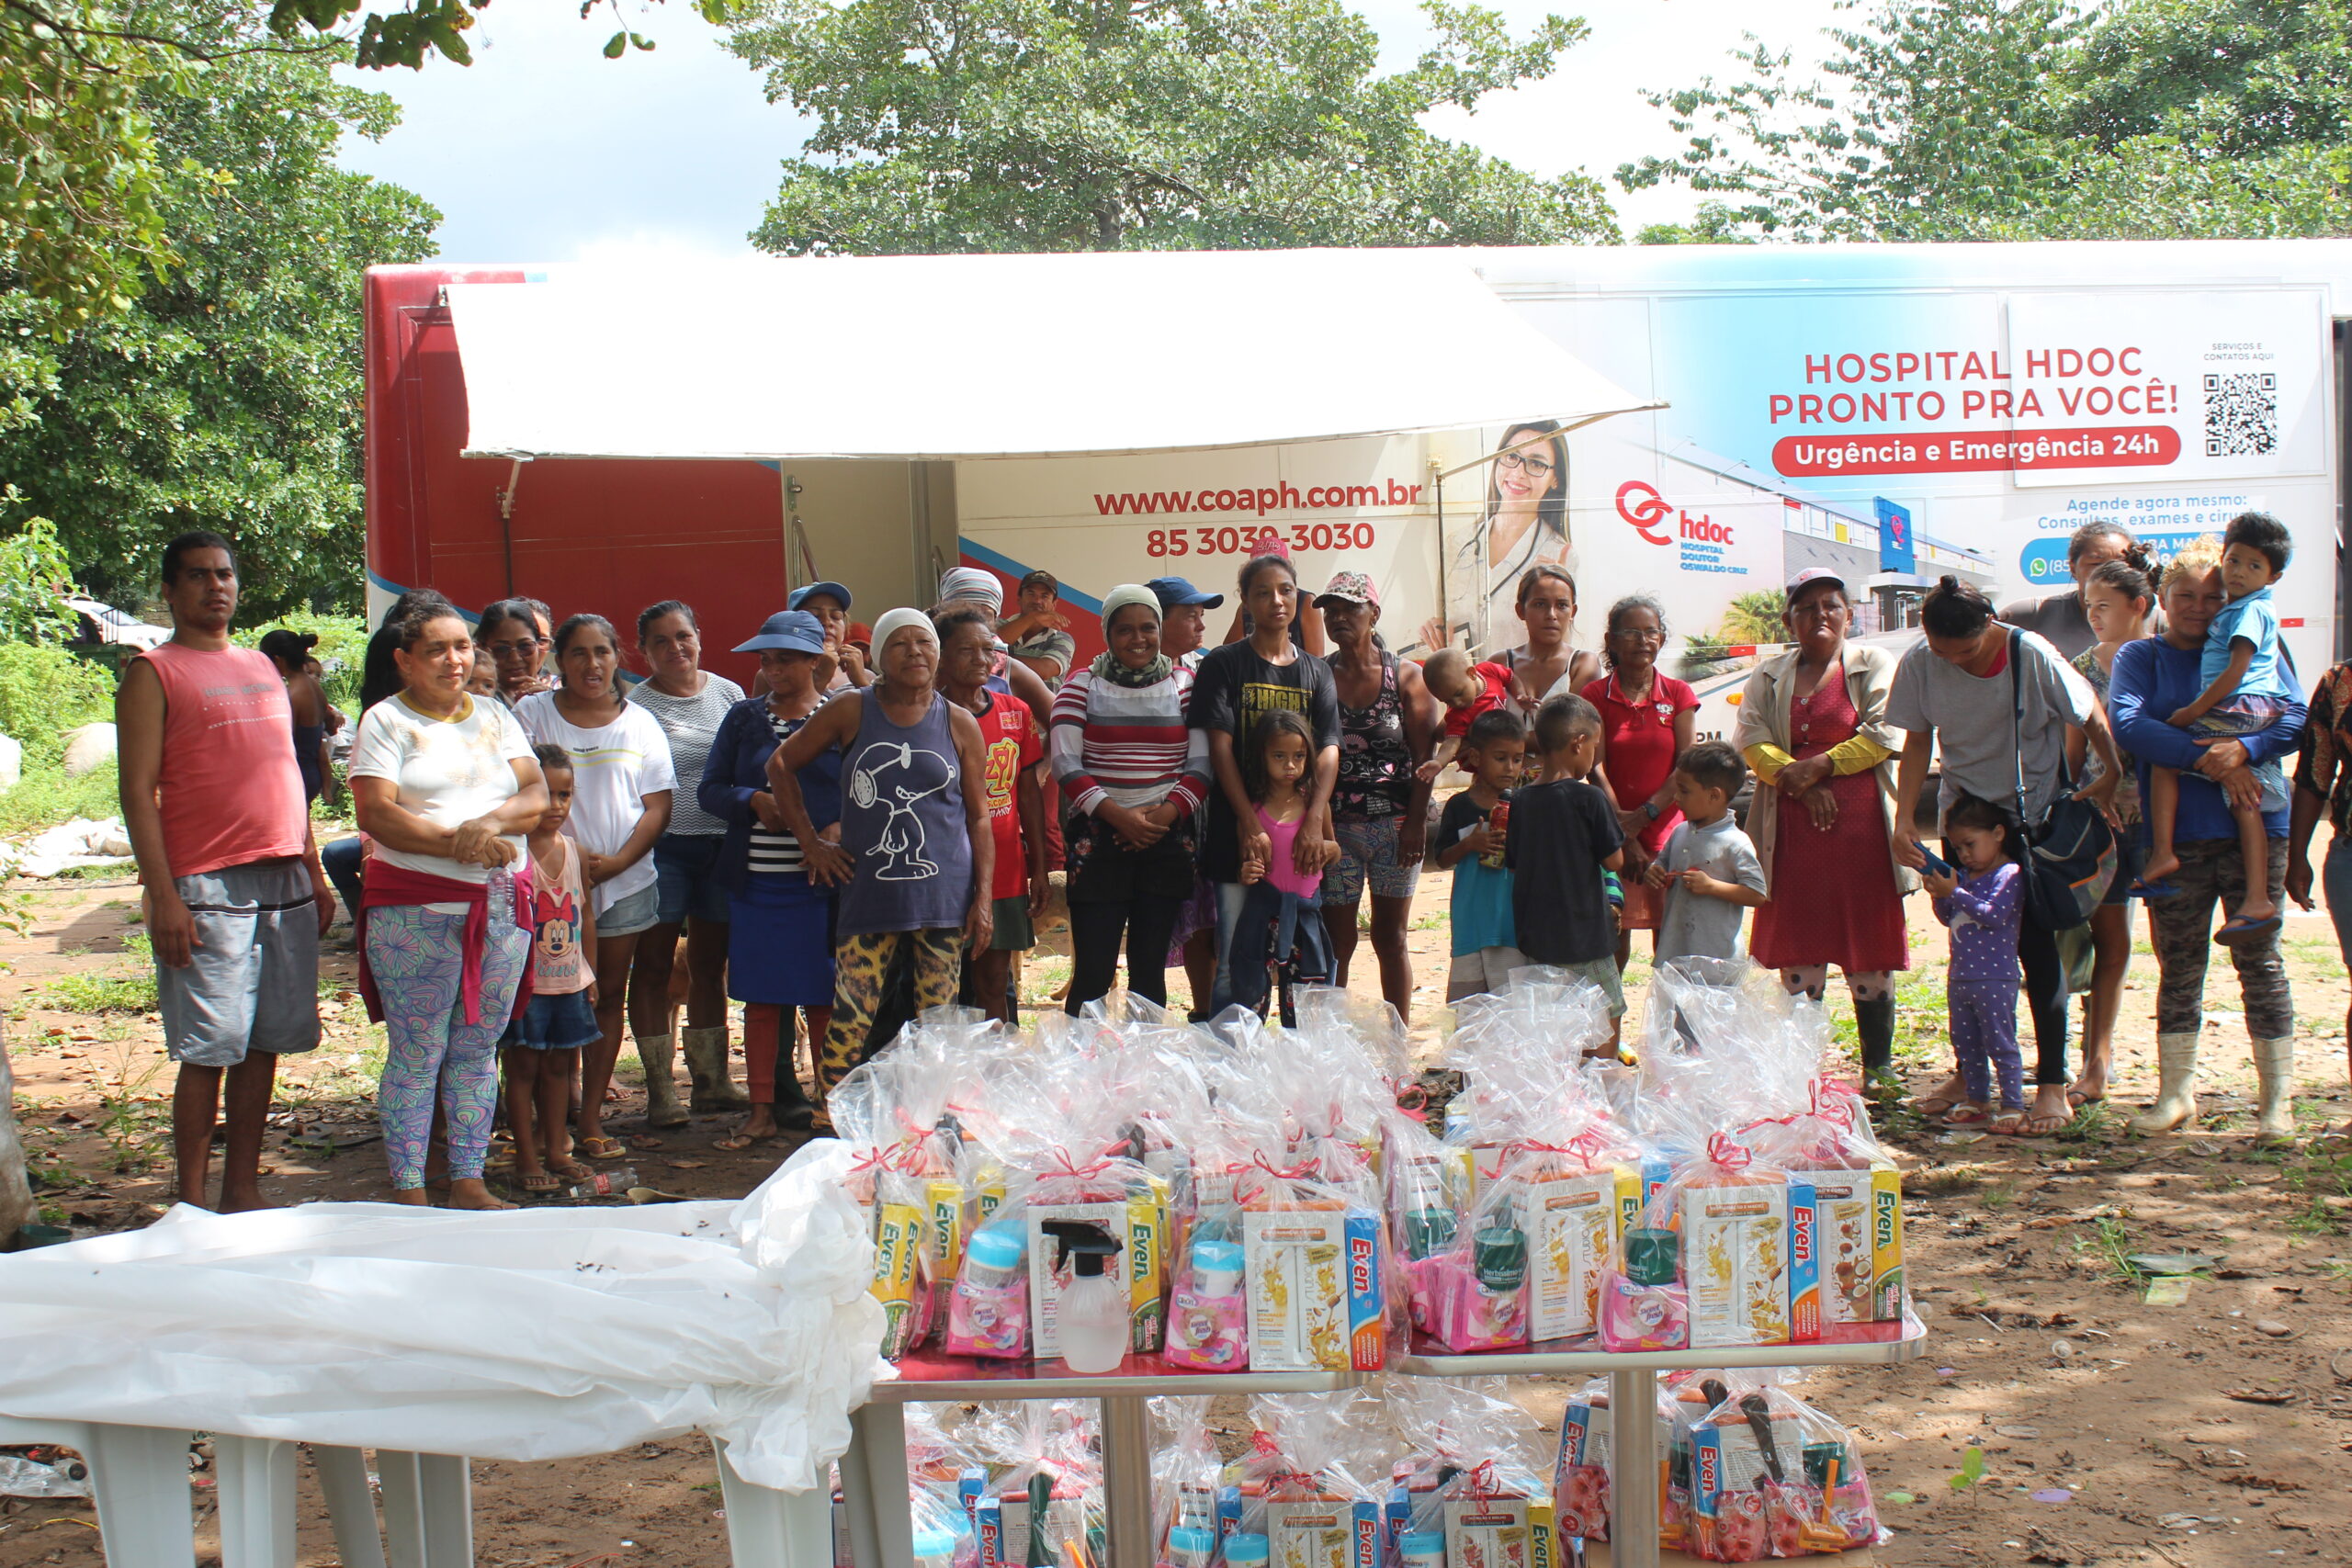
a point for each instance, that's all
(1632, 1405)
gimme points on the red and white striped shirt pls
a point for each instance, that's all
(1128, 744)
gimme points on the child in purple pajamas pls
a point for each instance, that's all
(1983, 907)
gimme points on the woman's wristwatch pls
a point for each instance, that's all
(1650, 810)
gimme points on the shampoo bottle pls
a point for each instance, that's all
(1091, 1316)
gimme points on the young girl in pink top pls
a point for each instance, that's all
(1281, 748)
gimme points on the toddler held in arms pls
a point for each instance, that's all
(1468, 691)
(2245, 690)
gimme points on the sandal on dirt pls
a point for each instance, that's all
(1963, 1114)
(737, 1141)
(646, 1141)
(2077, 1099)
(2005, 1124)
(545, 1181)
(2237, 931)
(599, 1148)
(2040, 1127)
(564, 1169)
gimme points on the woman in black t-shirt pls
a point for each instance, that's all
(1235, 683)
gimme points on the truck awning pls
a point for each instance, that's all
(1005, 356)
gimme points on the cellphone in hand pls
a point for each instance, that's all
(1937, 864)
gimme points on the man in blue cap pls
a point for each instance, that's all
(1183, 618)
(830, 603)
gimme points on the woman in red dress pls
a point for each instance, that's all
(1813, 725)
(1647, 722)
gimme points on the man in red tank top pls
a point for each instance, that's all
(235, 898)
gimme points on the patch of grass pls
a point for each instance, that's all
(1998, 1196)
(45, 797)
(101, 992)
(1944, 1181)
(2113, 1245)
(132, 1118)
(2091, 1124)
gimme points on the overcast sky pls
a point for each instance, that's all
(544, 150)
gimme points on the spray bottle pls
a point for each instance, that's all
(1091, 1316)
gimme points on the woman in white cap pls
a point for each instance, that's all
(1135, 777)
(780, 919)
(916, 855)
(1813, 725)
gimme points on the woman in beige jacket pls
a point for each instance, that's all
(1812, 726)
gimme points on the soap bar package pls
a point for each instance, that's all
(1572, 1221)
(1846, 1225)
(1313, 1278)
(1735, 1255)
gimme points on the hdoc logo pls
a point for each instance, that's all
(1641, 506)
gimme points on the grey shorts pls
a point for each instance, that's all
(251, 983)
(1485, 970)
(632, 913)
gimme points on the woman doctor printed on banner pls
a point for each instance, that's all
(1525, 524)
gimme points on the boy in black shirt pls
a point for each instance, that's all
(1563, 836)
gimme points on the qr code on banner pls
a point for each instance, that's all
(2241, 415)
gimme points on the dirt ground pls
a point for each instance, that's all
(2212, 1434)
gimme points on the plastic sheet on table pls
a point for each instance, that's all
(527, 1334)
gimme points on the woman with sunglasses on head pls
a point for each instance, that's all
(1647, 720)
(513, 635)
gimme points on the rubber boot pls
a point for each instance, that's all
(707, 1066)
(1874, 1022)
(658, 1053)
(2176, 1085)
(2274, 1070)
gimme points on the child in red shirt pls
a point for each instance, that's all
(1468, 691)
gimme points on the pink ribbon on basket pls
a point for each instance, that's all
(1725, 1150)
(1837, 1104)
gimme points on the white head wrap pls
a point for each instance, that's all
(1128, 594)
(894, 621)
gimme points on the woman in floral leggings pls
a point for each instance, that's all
(446, 786)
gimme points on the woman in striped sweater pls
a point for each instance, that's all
(1131, 776)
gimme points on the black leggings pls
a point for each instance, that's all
(2045, 998)
(1094, 932)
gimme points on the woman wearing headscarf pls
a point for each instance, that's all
(917, 854)
(1134, 778)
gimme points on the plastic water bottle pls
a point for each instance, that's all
(613, 1183)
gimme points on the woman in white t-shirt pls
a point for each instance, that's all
(446, 786)
(622, 780)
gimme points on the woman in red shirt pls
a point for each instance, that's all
(1647, 719)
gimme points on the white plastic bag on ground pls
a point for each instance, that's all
(76, 843)
(529, 1334)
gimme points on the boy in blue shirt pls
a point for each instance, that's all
(2245, 690)
(1469, 841)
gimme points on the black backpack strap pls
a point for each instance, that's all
(2017, 721)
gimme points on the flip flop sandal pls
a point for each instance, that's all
(2006, 1123)
(1964, 1115)
(646, 1141)
(2027, 1128)
(2142, 888)
(2077, 1099)
(568, 1170)
(599, 1148)
(2237, 931)
(546, 1181)
(1936, 1106)
(734, 1142)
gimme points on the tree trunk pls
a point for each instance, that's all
(15, 1189)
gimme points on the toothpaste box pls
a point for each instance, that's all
(1571, 1222)
(1736, 1263)
(1805, 1264)
(1630, 1197)
(898, 1231)
(1323, 1533)
(1542, 1536)
(1313, 1278)
(1886, 1245)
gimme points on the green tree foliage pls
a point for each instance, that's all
(2009, 119)
(1065, 125)
(227, 395)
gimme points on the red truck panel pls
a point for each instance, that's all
(609, 537)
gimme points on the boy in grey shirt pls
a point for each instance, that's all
(1708, 870)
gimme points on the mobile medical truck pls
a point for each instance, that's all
(1693, 422)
